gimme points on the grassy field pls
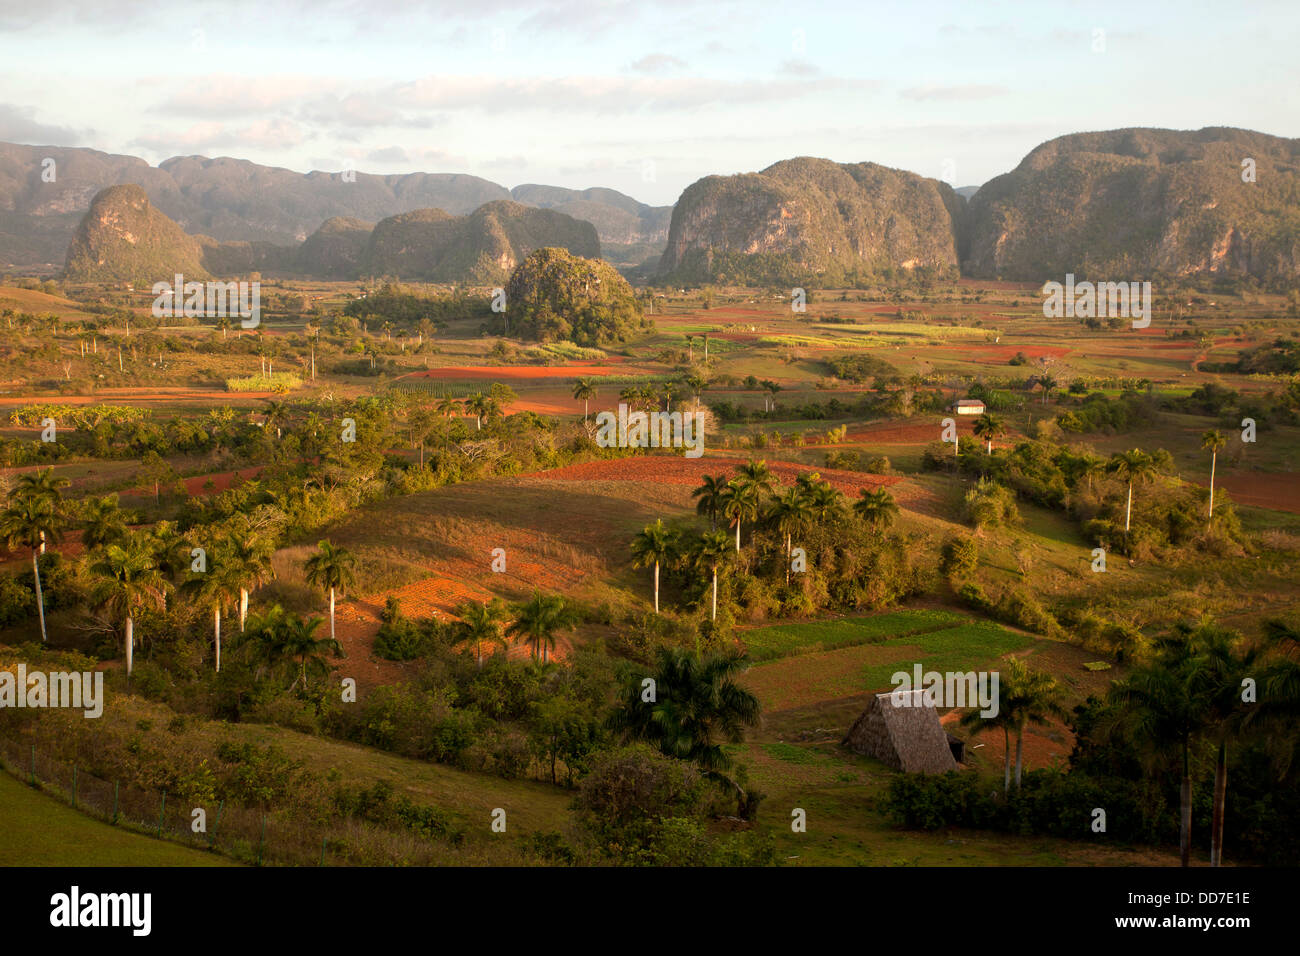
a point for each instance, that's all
(38, 830)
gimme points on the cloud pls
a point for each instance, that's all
(965, 91)
(799, 68)
(18, 124)
(388, 154)
(277, 134)
(658, 63)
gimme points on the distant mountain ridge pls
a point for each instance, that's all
(234, 200)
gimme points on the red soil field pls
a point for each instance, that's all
(1280, 492)
(664, 469)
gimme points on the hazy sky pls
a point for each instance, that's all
(645, 97)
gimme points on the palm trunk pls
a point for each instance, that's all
(715, 594)
(1220, 795)
(1185, 802)
(331, 614)
(586, 408)
(737, 535)
(130, 646)
(787, 559)
(656, 587)
(243, 608)
(1128, 510)
(216, 635)
(40, 600)
(1214, 460)
(1006, 761)
(1020, 753)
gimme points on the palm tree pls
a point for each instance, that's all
(1164, 705)
(824, 501)
(877, 508)
(1033, 698)
(710, 495)
(1214, 442)
(584, 392)
(759, 475)
(447, 406)
(1133, 467)
(739, 502)
(1090, 466)
(129, 582)
(251, 557)
(1003, 720)
(711, 552)
(330, 569)
(480, 621)
(41, 485)
(1048, 382)
(299, 641)
(105, 522)
(479, 405)
(218, 587)
(29, 522)
(537, 620)
(653, 546)
(989, 427)
(698, 707)
(789, 514)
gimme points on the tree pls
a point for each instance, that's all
(251, 557)
(480, 621)
(128, 582)
(1214, 442)
(154, 469)
(739, 503)
(29, 522)
(758, 474)
(330, 569)
(711, 551)
(698, 706)
(300, 643)
(1048, 382)
(41, 485)
(1032, 698)
(654, 545)
(877, 508)
(218, 587)
(584, 392)
(1002, 720)
(989, 427)
(710, 495)
(1165, 708)
(538, 620)
(105, 522)
(790, 514)
(1132, 467)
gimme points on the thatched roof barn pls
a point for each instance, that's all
(905, 735)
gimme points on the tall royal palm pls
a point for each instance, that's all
(217, 588)
(251, 558)
(1133, 467)
(105, 522)
(790, 514)
(330, 569)
(989, 427)
(710, 554)
(538, 619)
(300, 644)
(1214, 442)
(709, 497)
(654, 545)
(584, 392)
(29, 522)
(127, 582)
(1033, 698)
(758, 474)
(739, 504)
(41, 485)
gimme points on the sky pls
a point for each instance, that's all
(645, 97)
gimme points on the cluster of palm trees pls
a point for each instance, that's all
(535, 622)
(753, 495)
(1025, 697)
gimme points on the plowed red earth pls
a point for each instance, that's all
(664, 469)
(1280, 492)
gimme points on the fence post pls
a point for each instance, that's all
(74, 786)
(161, 810)
(261, 841)
(213, 835)
(115, 786)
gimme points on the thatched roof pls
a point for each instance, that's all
(907, 735)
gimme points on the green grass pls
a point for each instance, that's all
(768, 643)
(38, 830)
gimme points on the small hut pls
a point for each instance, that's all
(904, 733)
